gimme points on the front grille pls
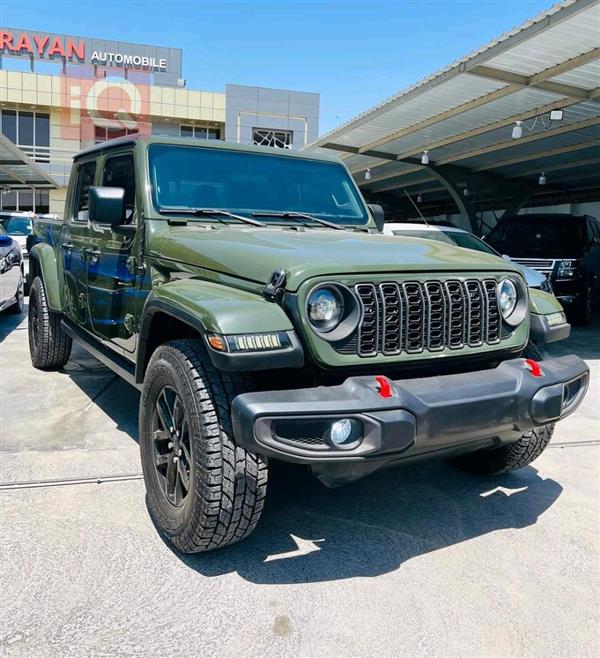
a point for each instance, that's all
(540, 264)
(415, 316)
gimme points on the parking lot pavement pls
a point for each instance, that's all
(414, 561)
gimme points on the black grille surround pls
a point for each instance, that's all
(413, 317)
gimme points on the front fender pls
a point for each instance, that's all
(212, 308)
(544, 308)
(42, 262)
(543, 303)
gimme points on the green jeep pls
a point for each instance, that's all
(248, 293)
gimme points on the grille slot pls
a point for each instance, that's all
(413, 317)
(368, 331)
(391, 327)
(456, 314)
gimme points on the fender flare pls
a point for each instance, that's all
(208, 307)
(42, 262)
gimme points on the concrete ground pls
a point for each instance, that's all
(423, 560)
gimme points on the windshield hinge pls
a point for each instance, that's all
(274, 290)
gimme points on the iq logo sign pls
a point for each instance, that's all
(99, 109)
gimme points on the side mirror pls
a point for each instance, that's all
(107, 205)
(5, 240)
(378, 215)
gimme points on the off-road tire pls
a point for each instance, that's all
(49, 345)
(227, 484)
(515, 455)
(16, 308)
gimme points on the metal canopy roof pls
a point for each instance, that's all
(464, 115)
(17, 170)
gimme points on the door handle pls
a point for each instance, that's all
(67, 246)
(92, 253)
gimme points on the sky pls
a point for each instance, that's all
(355, 54)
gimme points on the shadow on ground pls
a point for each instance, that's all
(584, 341)
(10, 322)
(311, 534)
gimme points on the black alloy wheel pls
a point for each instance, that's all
(171, 442)
(34, 326)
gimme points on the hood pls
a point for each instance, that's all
(255, 252)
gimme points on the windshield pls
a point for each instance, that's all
(246, 183)
(17, 225)
(529, 235)
(464, 240)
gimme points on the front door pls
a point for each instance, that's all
(113, 288)
(74, 243)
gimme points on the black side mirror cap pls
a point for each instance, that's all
(107, 205)
(378, 215)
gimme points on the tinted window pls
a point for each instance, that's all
(26, 128)
(119, 172)
(538, 236)
(85, 179)
(9, 125)
(242, 182)
(18, 225)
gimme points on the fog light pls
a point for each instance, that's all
(341, 431)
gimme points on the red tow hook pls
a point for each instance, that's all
(384, 389)
(534, 367)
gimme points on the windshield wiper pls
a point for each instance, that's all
(299, 215)
(214, 212)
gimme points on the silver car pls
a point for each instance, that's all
(460, 238)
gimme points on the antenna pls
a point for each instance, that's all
(416, 207)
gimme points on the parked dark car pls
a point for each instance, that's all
(11, 274)
(566, 248)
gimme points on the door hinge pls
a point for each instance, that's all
(134, 266)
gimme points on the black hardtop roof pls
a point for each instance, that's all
(199, 143)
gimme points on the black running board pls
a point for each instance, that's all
(117, 363)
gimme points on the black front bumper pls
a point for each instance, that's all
(431, 416)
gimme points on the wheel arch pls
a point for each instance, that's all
(42, 263)
(190, 307)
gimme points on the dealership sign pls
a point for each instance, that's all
(81, 50)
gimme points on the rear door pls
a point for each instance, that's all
(112, 279)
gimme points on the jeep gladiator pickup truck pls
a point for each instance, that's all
(248, 293)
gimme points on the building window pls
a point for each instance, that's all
(281, 139)
(25, 200)
(103, 133)
(200, 132)
(30, 131)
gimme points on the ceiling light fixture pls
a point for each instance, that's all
(466, 191)
(517, 131)
(368, 174)
(542, 179)
(425, 158)
(557, 115)
(419, 198)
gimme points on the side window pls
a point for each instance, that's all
(85, 180)
(119, 171)
(595, 224)
(590, 233)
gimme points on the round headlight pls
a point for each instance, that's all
(507, 297)
(325, 307)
